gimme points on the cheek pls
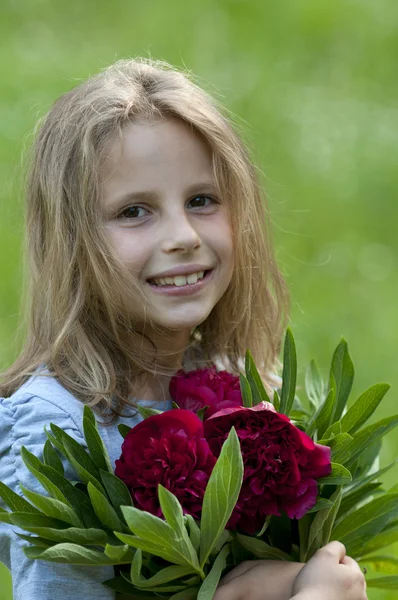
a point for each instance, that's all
(132, 250)
(222, 237)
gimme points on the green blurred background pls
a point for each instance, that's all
(314, 84)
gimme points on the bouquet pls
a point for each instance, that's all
(229, 474)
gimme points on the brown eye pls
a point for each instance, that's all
(201, 202)
(133, 212)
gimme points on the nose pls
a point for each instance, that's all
(181, 235)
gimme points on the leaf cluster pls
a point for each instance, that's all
(93, 521)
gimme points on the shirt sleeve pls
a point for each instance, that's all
(22, 422)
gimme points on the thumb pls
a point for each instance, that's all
(334, 550)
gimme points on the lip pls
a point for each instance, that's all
(184, 290)
(181, 270)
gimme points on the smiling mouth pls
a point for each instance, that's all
(179, 280)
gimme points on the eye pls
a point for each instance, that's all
(201, 202)
(133, 212)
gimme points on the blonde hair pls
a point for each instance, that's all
(79, 319)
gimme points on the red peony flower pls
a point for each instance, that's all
(281, 463)
(205, 387)
(170, 449)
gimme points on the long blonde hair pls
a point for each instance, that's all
(79, 319)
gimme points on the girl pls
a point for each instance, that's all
(148, 251)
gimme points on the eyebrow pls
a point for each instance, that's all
(196, 188)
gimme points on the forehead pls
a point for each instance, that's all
(157, 151)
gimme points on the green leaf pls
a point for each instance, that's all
(70, 554)
(304, 526)
(342, 370)
(58, 531)
(321, 525)
(221, 495)
(314, 386)
(385, 538)
(165, 550)
(325, 416)
(56, 443)
(386, 563)
(289, 374)
(160, 578)
(146, 412)
(5, 516)
(364, 408)
(321, 504)
(194, 532)
(261, 549)
(53, 508)
(257, 387)
(117, 491)
(60, 488)
(385, 583)
(172, 511)
(276, 401)
(367, 462)
(331, 518)
(104, 511)
(124, 430)
(29, 521)
(88, 414)
(321, 419)
(78, 458)
(118, 553)
(339, 476)
(264, 527)
(43, 475)
(384, 506)
(339, 445)
(225, 538)
(14, 501)
(209, 585)
(351, 500)
(341, 448)
(51, 458)
(157, 535)
(246, 391)
(333, 430)
(98, 452)
(121, 586)
(201, 412)
(75, 451)
(369, 435)
(148, 526)
(36, 540)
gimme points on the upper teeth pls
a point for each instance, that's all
(179, 280)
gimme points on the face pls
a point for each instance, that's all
(167, 222)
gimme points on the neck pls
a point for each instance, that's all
(170, 349)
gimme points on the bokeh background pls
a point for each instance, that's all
(314, 86)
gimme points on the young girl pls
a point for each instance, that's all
(148, 249)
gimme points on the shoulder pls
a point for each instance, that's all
(43, 393)
(40, 401)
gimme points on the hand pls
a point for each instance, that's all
(259, 580)
(330, 575)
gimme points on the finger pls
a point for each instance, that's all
(334, 549)
(350, 562)
(240, 570)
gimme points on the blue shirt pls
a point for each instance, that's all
(23, 416)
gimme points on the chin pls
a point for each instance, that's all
(182, 322)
